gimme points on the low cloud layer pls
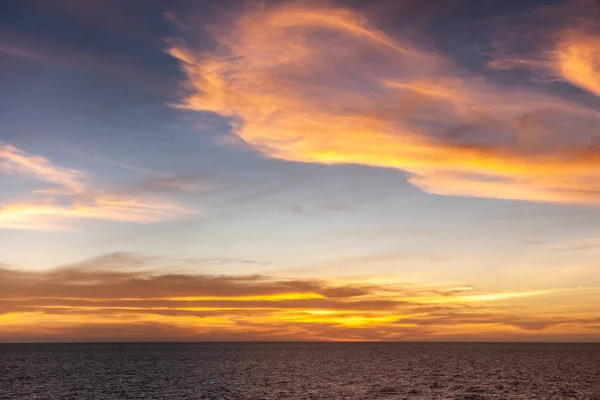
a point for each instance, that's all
(117, 297)
(317, 83)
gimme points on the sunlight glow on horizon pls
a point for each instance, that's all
(302, 171)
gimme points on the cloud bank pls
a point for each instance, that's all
(317, 83)
(123, 297)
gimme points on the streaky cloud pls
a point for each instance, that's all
(74, 197)
(125, 291)
(14, 161)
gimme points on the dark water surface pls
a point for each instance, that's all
(299, 371)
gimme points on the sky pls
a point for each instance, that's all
(299, 170)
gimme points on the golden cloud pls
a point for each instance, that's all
(120, 295)
(577, 59)
(324, 84)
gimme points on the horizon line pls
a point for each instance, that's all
(310, 341)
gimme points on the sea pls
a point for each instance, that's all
(466, 371)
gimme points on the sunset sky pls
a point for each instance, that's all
(299, 170)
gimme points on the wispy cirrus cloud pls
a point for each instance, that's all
(16, 161)
(74, 197)
(56, 216)
(41, 50)
(126, 292)
(318, 83)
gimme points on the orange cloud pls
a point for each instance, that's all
(568, 50)
(578, 59)
(116, 291)
(323, 84)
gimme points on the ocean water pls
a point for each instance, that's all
(299, 371)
